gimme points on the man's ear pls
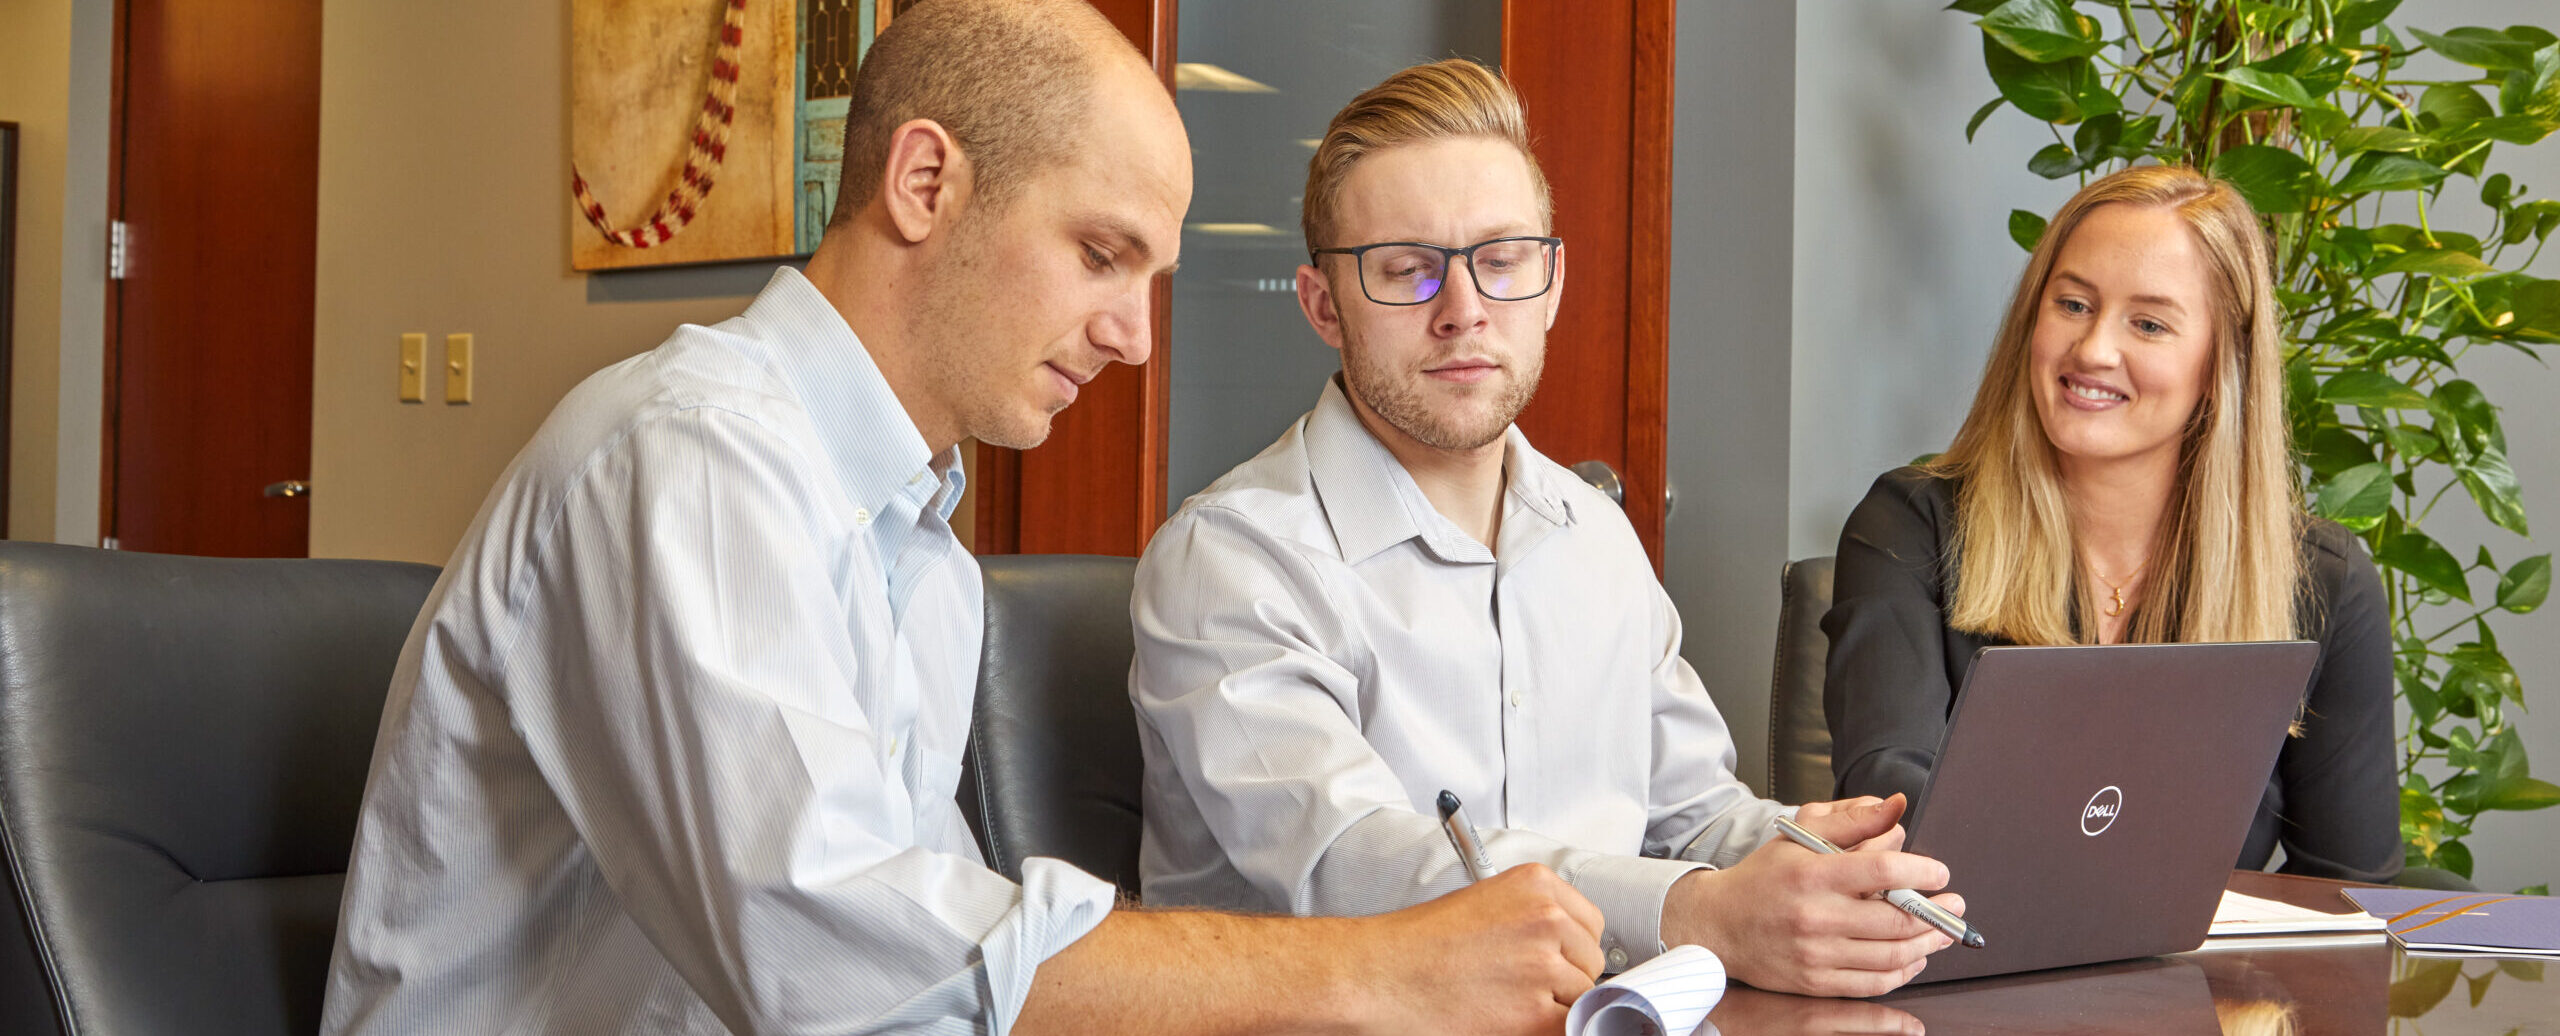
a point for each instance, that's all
(1555, 290)
(1315, 299)
(927, 178)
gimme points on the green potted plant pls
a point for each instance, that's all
(2309, 108)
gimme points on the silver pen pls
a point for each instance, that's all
(1912, 903)
(1462, 837)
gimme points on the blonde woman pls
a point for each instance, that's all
(2124, 476)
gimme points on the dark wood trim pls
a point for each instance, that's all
(8, 299)
(110, 381)
(1649, 272)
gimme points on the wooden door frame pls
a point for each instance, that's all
(110, 398)
(1098, 486)
(9, 138)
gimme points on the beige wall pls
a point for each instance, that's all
(444, 207)
(35, 78)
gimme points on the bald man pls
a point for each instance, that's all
(673, 747)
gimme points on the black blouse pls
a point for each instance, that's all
(2333, 800)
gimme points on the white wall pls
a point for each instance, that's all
(1902, 262)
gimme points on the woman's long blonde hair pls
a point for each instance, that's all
(2236, 506)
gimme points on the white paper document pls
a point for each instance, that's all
(1666, 996)
(2252, 916)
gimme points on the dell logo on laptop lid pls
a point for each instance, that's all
(2100, 813)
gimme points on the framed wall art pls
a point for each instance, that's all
(708, 130)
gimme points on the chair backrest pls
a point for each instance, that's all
(1799, 736)
(183, 749)
(1053, 767)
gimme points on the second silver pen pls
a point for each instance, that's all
(1462, 837)
(1912, 903)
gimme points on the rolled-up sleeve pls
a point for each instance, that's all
(686, 683)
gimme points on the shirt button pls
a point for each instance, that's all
(1617, 959)
(1515, 699)
(862, 516)
(916, 479)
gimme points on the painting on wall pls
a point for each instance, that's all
(708, 130)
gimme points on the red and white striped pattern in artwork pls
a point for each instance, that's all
(710, 146)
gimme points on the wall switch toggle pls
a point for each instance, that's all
(457, 368)
(413, 368)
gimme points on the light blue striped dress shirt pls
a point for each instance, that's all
(673, 746)
(1320, 652)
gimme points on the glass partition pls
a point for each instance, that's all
(1256, 84)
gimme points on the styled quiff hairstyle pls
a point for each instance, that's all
(1443, 100)
(1012, 80)
(2226, 564)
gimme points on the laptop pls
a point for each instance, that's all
(2089, 801)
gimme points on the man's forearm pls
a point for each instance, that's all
(1200, 972)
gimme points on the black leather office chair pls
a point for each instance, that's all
(183, 748)
(1799, 736)
(1053, 766)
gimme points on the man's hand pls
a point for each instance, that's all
(1792, 920)
(1506, 955)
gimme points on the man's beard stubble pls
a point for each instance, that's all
(1394, 396)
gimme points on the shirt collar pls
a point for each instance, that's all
(1372, 502)
(878, 454)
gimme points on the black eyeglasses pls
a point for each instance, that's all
(1410, 273)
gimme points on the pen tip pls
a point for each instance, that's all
(1972, 939)
(1448, 803)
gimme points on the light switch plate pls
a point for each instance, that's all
(457, 368)
(413, 368)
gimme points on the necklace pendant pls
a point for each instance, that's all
(2119, 603)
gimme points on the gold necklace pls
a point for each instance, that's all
(2117, 589)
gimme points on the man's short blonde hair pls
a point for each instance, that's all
(1443, 100)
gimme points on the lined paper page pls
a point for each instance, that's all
(1666, 996)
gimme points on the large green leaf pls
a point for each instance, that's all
(2438, 262)
(2415, 553)
(2462, 405)
(2518, 793)
(2371, 388)
(2453, 103)
(1975, 7)
(2025, 227)
(2479, 47)
(2526, 584)
(2271, 87)
(2055, 161)
(2357, 17)
(2379, 171)
(2520, 130)
(2061, 92)
(2534, 90)
(2271, 179)
(2493, 486)
(2043, 31)
(2332, 450)
(2357, 497)
(2377, 138)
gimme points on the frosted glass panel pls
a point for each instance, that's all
(1257, 83)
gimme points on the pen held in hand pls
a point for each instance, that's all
(1910, 902)
(1462, 837)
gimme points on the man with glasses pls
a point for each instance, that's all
(1401, 596)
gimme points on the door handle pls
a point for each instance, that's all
(291, 487)
(1599, 475)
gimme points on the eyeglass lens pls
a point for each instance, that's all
(1505, 270)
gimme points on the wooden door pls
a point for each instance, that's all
(1596, 79)
(215, 178)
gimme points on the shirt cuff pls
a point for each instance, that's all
(1059, 905)
(1629, 890)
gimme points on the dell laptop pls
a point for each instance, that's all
(2089, 801)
